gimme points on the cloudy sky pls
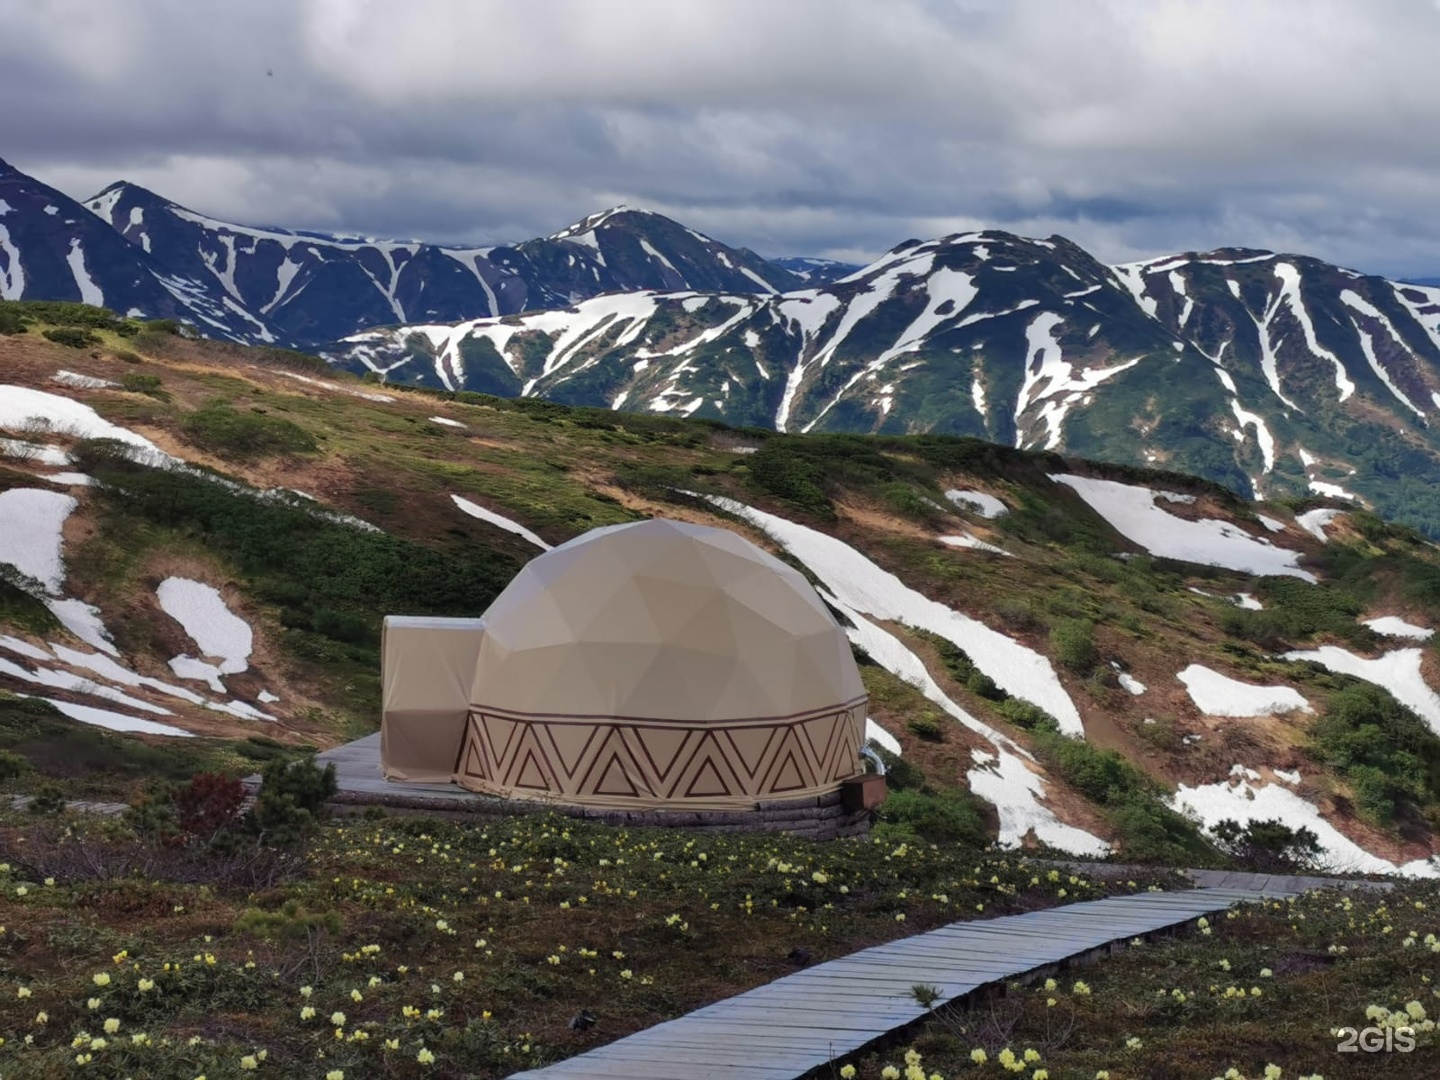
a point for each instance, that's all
(822, 127)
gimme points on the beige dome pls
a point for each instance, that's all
(664, 663)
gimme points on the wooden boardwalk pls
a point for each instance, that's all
(787, 1028)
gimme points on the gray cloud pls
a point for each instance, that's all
(833, 127)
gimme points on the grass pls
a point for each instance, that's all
(479, 944)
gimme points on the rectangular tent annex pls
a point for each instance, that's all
(428, 672)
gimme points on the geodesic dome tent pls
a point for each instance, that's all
(661, 665)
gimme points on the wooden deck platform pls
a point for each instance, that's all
(787, 1028)
(357, 772)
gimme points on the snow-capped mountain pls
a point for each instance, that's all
(52, 248)
(130, 249)
(315, 287)
(1273, 374)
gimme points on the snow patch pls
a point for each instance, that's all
(90, 293)
(1394, 626)
(1248, 602)
(1243, 801)
(83, 620)
(1314, 522)
(477, 511)
(1015, 790)
(965, 540)
(1262, 433)
(24, 648)
(202, 612)
(83, 382)
(982, 503)
(1132, 511)
(446, 421)
(1219, 695)
(1332, 491)
(88, 714)
(1130, 683)
(31, 521)
(22, 408)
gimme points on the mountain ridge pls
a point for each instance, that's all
(1268, 372)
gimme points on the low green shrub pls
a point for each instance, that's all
(1269, 847)
(291, 801)
(139, 383)
(901, 774)
(1147, 830)
(230, 433)
(12, 766)
(1073, 643)
(1026, 715)
(926, 726)
(1387, 754)
(73, 337)
(11, 321)
(934, 817)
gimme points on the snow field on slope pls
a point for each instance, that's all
(1314, 522)
(88, 714)
(1289, 278)
(967, 541)
(949, 293)
(90, 293)
(215, 629)
(1133, 513)
(38, 453)
(77, 684)
(865, 587)
(1394, 626)
(980, 502)
(83, 620)
(477, 511)
(1367, 345)
(20, 407)
(1219, 695)
(81, 382)
(1005, 781)
(1244, 802)
(1333, 491)
(109, 669)
(31, 521)
(1397, 671)
(1001, 778)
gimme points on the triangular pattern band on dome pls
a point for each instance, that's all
(614, 761)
